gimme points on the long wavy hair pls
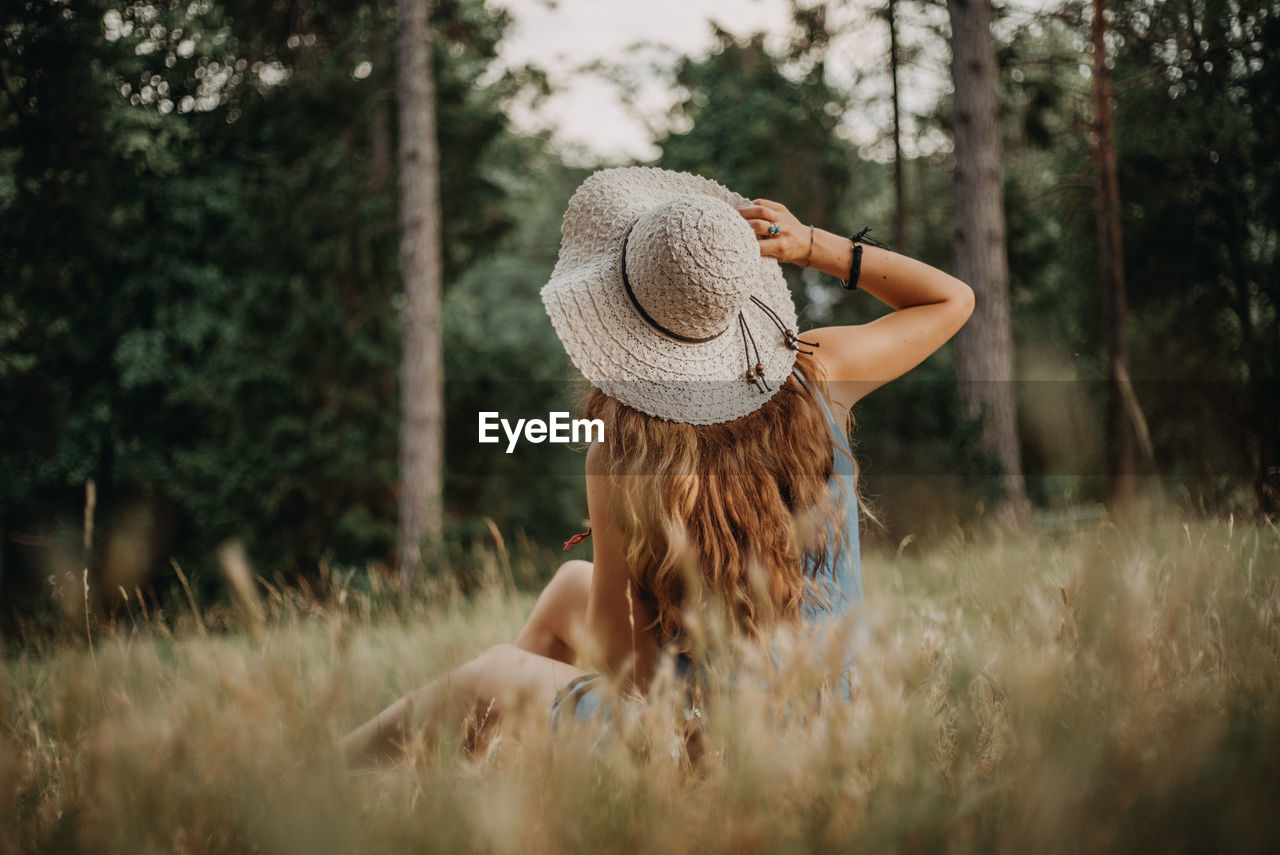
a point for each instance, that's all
(739, 515)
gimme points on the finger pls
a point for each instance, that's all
(757, 212)
(770, 247)
(761, 228)
(770, 204)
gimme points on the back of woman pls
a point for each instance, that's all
(756, 519)
(724, 479)
(759, 515)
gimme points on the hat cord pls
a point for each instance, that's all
(754, 375)
(793, 341)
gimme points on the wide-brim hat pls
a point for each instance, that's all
(663, 301)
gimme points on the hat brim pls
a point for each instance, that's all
(625, 357)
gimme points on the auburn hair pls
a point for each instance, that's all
(738, 515)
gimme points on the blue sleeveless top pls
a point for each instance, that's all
(843, 567)
(846, 592)
(587, 696)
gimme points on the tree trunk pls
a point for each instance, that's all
(899, 186)
(421, 369)
(984, 348)
(1120, 474)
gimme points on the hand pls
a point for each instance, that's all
(791, 243)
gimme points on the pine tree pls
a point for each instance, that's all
(421, 371)
(984, 348)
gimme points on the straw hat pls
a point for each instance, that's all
(663, 301)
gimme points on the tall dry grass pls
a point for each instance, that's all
(1098, 689)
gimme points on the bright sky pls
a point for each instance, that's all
(592, 115)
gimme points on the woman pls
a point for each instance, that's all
(724, 452)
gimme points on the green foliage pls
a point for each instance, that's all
(1197, 134)
(502, 356)
(1051, 235)
(749, 125)
(199, 213)
(1194, 90)
(198, 239)
(767, 126)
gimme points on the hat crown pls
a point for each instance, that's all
(663, 301)
(691, 264)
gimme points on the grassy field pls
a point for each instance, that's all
(1093, 688)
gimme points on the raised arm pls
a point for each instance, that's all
(929, 306)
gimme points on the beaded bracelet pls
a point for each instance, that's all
(855, 266)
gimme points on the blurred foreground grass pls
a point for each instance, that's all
(1097, 689)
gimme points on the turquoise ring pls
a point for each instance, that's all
(774, 229)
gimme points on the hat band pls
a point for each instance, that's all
(626, 283)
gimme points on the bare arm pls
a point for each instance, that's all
(929, 306)
(616, 623)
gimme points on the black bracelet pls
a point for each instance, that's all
(855, 266)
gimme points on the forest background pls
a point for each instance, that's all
(200, 290)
